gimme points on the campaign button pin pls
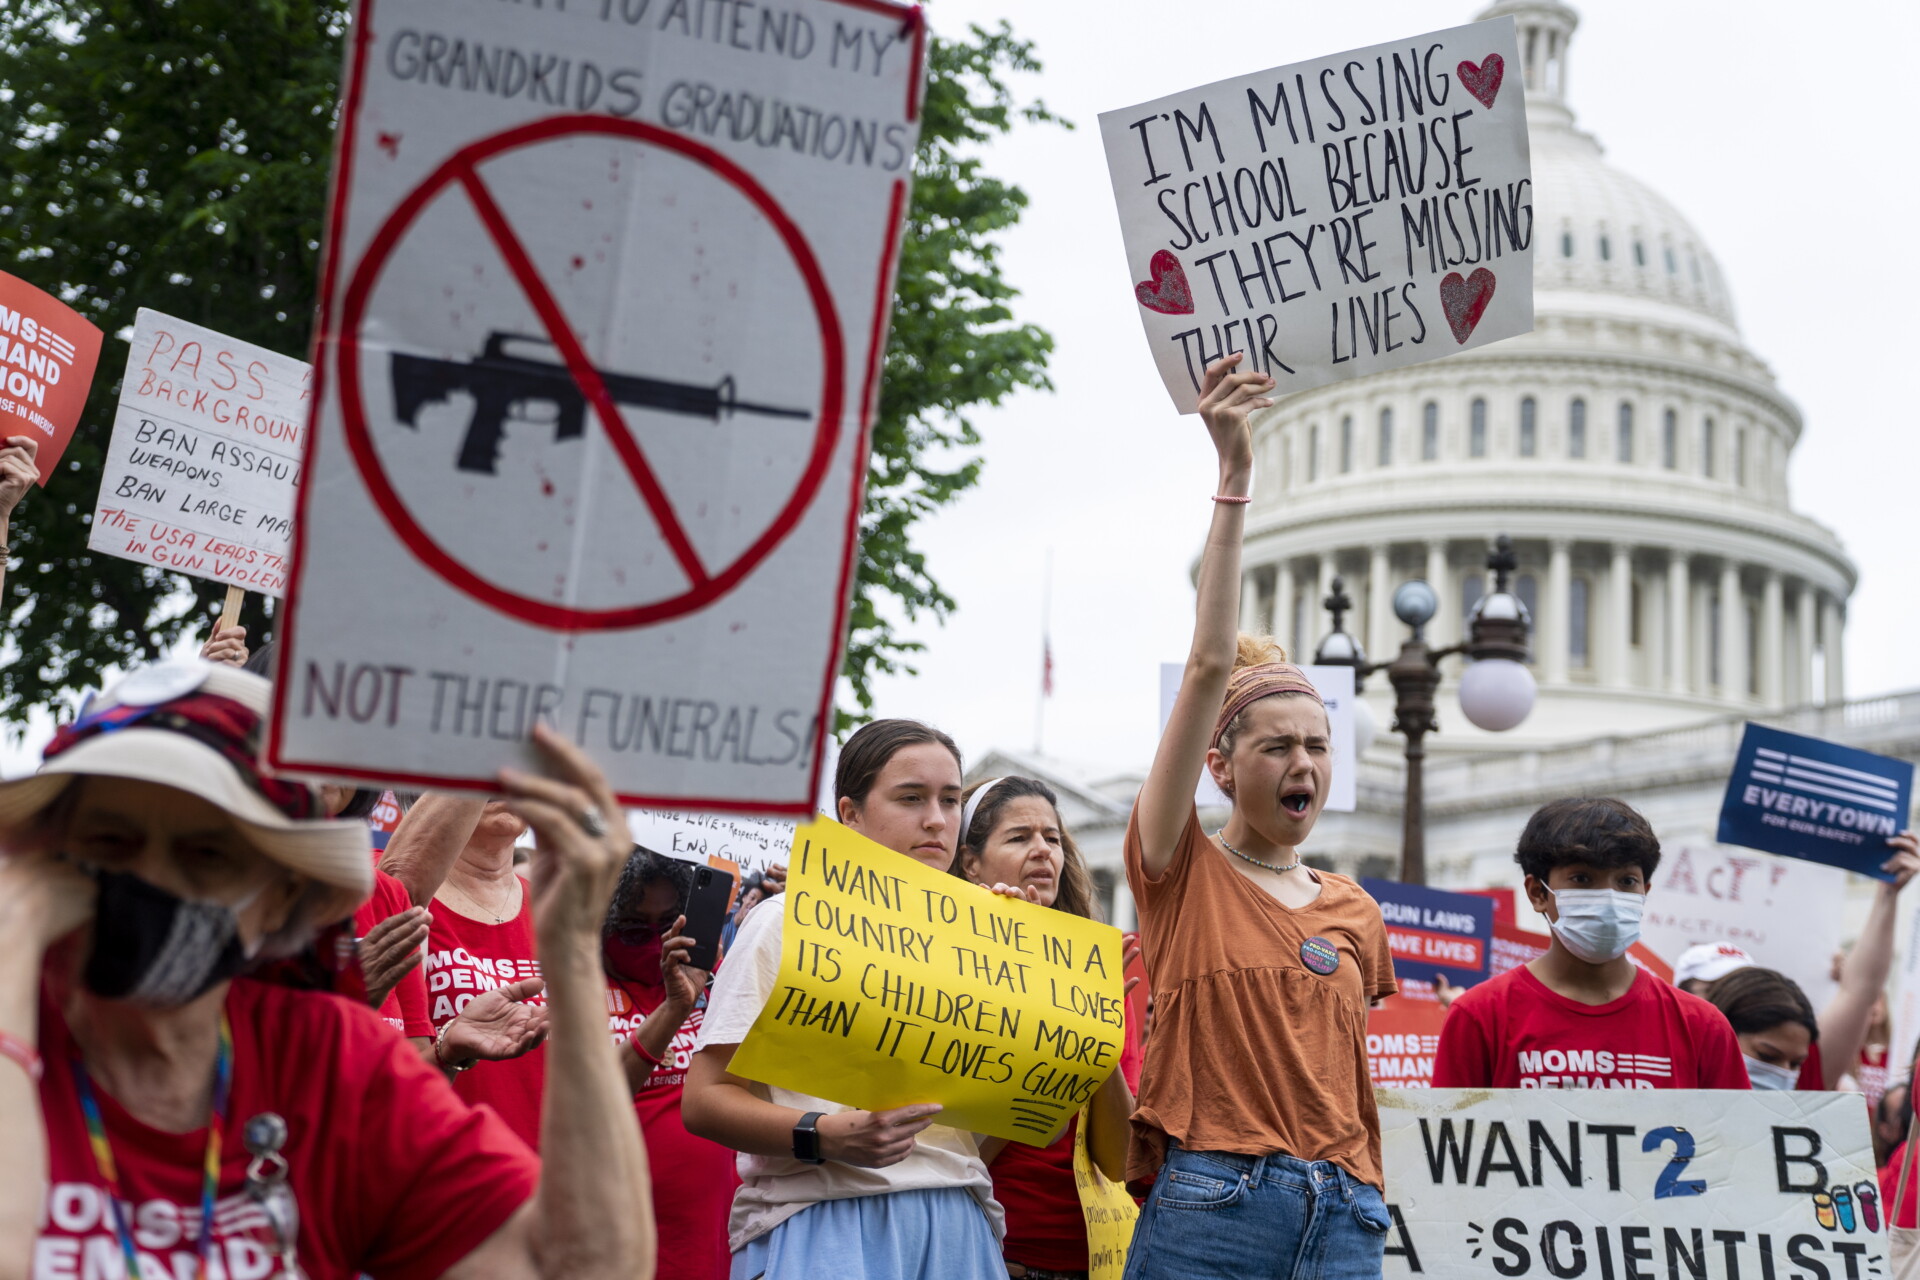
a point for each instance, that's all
(1320, 955)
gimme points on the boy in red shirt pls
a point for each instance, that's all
(1584, 1016)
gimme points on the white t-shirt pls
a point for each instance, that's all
(774, 1188)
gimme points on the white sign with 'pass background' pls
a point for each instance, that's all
(1333, 218)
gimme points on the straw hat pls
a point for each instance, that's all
(196, 726)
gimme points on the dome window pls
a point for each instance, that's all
(1577, 428)
(1707, 448)
(1386, 437)
(1346, 444)
(1579, 622)
(1673, 265)
(1471, 589)
(1477, 429)
(1528, 432)
(1606, 248)
(1566, 244)
(1625, 452)
(1740, 458)
(1313, 453)
(1693, 262)
(1639, 254)
(1430, 432)
(1669, 440)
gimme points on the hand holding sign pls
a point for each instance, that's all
(874, 1139)
(17, 472)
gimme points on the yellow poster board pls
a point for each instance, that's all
(1110, 1212)
(900, 984)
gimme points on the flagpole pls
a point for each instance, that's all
(1046, 659)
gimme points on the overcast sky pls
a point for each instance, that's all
(1775, 133)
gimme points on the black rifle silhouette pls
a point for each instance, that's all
(498, 381)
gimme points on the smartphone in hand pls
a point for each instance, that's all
(706, 913)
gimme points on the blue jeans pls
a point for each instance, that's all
(1257, 1218)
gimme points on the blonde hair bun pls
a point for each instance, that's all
(1254, 651)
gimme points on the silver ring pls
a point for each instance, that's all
(592, 821)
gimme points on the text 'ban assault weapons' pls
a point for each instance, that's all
(498, 381)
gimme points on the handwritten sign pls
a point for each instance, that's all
(1109, 1211)
(900, 984)
(1333, 218)
(47, 357)
(748, 844)
(1694, 1184)
(597, 366)
(1433, 933)
(204, 463)
(1802, 797)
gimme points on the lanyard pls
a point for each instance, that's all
(210, 1177)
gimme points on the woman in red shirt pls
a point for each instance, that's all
(1013, 842)
(150, 863)
(656, 1004)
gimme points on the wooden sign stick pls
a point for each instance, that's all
(230, 614)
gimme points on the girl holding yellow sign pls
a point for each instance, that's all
(1255, 1105)
(828, 1190)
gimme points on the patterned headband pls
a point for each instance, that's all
(1250, 684)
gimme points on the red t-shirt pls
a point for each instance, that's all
(1890, 1187)
(1511, 1032)
(464, 958)
(394, 1175)
(693, 1179)
(406, 1005)
(1813, 1072)
(1045, 1226)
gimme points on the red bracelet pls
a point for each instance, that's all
(1238, 502)
(641, 1049)
(12, 1046)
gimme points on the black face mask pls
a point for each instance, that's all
(155, 949)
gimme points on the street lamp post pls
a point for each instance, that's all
(1496, 692)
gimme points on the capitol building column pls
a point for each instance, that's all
(1833, 646)
(1679, 612)
(1249, 601)
(1733, 633)
(1620, 617)
(1804, 603)
(1553, 629)
(1772, 646)
(1283, 610)
(1380, 617)
(1443, 628)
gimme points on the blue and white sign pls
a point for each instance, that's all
(1433, 933)
(1807, 798)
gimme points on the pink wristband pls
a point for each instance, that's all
(12, 1046)
(634, 1041)
(1238, 502)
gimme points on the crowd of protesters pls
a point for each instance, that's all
(244, 1043)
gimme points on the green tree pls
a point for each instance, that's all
(173, 154)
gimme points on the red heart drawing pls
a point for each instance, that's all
(1465, 301)
(1167, 292)
(1483, 81)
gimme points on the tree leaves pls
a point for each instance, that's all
(174, 154)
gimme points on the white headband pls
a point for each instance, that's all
(972, 810)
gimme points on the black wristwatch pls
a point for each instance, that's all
(806, 1139)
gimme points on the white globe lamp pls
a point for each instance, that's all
(1496, 694)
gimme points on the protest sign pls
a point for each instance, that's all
(204, 463)
(1433, 933)
(1335, 686)
(1108, 1210)
(1403, 1034)
(47, 356)
(901, 984)
(1805, 798)
(1628, 1185)
(602, 324)
(1333, 218)
(1785, 913)
(749, 844)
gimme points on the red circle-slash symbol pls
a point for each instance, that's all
(705, 586)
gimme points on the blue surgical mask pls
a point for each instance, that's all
(1598, 925)
(1765, 1075)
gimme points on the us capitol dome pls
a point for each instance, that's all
(1633, 447)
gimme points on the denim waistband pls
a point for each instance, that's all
(1323, 1177)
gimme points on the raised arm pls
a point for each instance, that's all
(17, 475)
(428, 841)
(1843, 1023)
(1227, 397)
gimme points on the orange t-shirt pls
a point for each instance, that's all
(1259, 1014)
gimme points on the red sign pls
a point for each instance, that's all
(1403, 1034)
(47, 355)
(1450, 949)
